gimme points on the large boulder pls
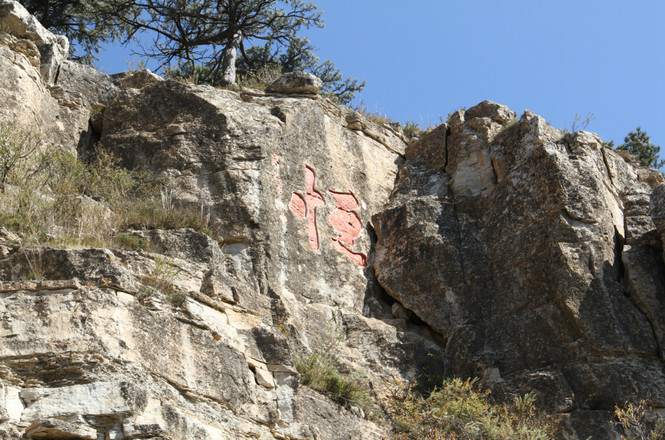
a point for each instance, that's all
(295, 82)
(533, 254)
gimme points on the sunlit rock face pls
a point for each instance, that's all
(290, 183)
(534, 255)
(491, 247)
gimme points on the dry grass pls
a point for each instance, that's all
(51, 197)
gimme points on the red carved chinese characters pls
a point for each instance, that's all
(343, 218)
(306, 207)
(348, 224)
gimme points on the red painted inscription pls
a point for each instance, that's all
(348, 224)
(343, 218)
(306, 207)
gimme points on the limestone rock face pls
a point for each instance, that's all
(15, 20)
(90, 352)
(535, 257)
(42, 91)
(289, 186)
(490, 247)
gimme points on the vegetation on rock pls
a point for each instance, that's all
(51, 197)
(321, 371)
(456, 410)
(206, 41)
(210, 33)
(462, 410)
(638, 143)
(637, 422)
(161, 280)
(260, 65)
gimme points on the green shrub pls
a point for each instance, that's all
(321, 371)
(462, 410)
(412, 130)
(132, 242)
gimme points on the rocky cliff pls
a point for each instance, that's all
(491, 247)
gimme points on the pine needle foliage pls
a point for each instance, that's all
(638, 143)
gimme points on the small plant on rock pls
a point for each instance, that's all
(321, 370)
(412, 130)
(638, 422)
(132, 242)
(161, 280)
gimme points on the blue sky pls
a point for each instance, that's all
(426, 58)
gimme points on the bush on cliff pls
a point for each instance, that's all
(462, 410)
(322, 371)
(638, 421)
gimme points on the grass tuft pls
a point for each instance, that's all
(322, 371)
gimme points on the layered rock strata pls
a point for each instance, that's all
(96, 350)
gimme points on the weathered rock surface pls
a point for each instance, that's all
(287, 185)
(53, 49)
(535, 257)
(42, 92)
(86, 354)
(508, 251)
(102, 353)
(296, 82)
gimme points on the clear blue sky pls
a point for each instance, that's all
(425, 58)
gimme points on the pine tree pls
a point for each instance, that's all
(211, 33)
(638, 143)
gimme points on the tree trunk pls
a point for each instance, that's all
(229, 56)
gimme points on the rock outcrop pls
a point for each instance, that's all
(533, 254)
(490, 247)
(289, 186)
